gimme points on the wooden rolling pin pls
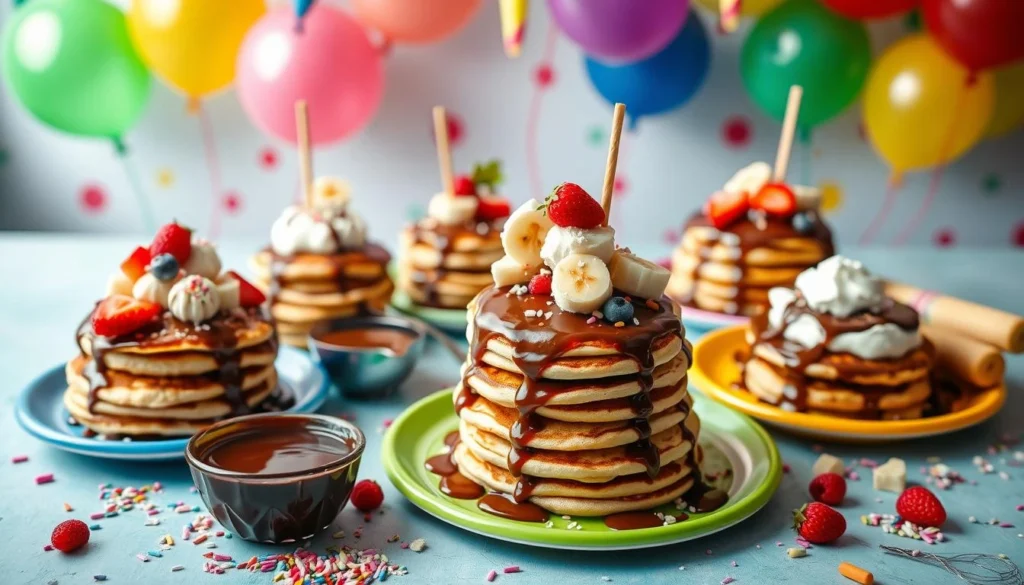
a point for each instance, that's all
(999, 328)
(966, 358)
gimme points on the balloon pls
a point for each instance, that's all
(192, 44)
(415, 21)
(803, 43)
(979, 33)
(331, 65)
(660, 83)
(919, 109)
(1008, 113)
(870, 9)
(302, 7)
(72, 65)
(620, 30)
(747, 7)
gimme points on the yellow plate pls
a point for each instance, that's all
(714, 371)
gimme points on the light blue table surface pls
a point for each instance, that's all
(50, 282)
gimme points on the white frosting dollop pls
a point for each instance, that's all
(203, 260)
(194, 299)
(562, 241)
(152, 289)
(299, 230)
(841, 287)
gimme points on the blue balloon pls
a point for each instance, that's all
(302, 7)
(659, 83)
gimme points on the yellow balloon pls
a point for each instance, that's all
(747, 7)
(1008, 114)
(920, 109)
(192, 44)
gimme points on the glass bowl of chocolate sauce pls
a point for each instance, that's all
(276, 477)
(368, 356)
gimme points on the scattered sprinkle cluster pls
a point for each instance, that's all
(893, 524)
(337, 566)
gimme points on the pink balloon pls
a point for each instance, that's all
(330, 64)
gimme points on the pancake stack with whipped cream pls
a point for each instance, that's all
(447, 256)
(836, 345)
(752, 235)
(176, 345)
(574, 393)
(320, 264)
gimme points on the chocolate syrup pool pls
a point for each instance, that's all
(395, 340)
(275, 451)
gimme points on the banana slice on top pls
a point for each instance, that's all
(506, 272)
(637, 277)
(581, 283)
(452, 209)
(524, 233)
(749, 179)
(562, 241)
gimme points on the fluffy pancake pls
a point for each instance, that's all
(368, 265)
(855, 370)
(214, 408)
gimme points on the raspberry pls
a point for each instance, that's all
(367, 495)
(540, 284)
(828, 488)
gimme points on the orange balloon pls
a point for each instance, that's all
(415, 21)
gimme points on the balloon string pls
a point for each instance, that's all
(213, 167)
(135, 182)
(533, 117)
(892, 189)
(936, 179)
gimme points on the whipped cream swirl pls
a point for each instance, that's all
(194, 299)
(301, 230)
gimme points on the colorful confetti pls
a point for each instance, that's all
(831, 196)
(737, 132)
(1018, 235)
(544, 75)
(944, 237)
(268, 158)
(596, 136)
(92, 198)
(620, 187)
(165, 178)
(991, 183)
(232, 202)
(456, 130)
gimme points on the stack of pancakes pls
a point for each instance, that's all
(445, 266)
(172, 378)
(577, 418)
(730, 270)
(305, 288)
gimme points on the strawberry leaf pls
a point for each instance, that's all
(488, 174)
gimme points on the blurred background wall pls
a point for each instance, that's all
(539, 114)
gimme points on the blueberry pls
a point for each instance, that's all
(164, 267)
(618, 309)
(803, 223)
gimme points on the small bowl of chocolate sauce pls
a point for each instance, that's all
(276, 477)
(368, 356)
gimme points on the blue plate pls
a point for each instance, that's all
(40, 411)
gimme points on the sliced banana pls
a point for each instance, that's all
(451, 209)
(524, 233)
(119, 284)
(562, 241)
(331, 193)
(750, 178)
(150, 288)
(229, 292)
(807, 198)
(507, 272)
(581, 283)
(637, 277)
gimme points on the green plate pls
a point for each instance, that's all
(729, 439)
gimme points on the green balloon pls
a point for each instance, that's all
(804, 43)
(72, 64)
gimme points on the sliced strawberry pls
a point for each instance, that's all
(248, 295)
(172, 239)
(570, 206)
(464, 185)
(775, 199)
(491, 208)
(121, 314)
(724, 208)
(135, 266)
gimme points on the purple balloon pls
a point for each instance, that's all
(620, 30)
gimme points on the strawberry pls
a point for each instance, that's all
(724, 208)
(464, 185)
(367, 495)
(570, 206)
(69, 535)
(920, 506)
(135, 265)
(540, 284)
(172, 239)
(120, 314)
(818, 523)
(491, 208)
(828, 488)
(248, 295)
(775, 199)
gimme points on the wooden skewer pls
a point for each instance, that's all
(788, 130)
(728, 15)
(613, 161)
(444, 153)
(305, 158)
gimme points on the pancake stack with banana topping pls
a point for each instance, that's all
(320, 264)
(447, 256)
(753, 235)
(574, 393)
(836, 345)
(174, 346)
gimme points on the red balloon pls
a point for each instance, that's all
(978, 33)
(870, 9)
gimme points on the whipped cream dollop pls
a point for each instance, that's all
(152, 289)
(840, 287)
(302, 230)
(203, 260)
(194, 299)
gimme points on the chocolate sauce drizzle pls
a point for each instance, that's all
(371, 252)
